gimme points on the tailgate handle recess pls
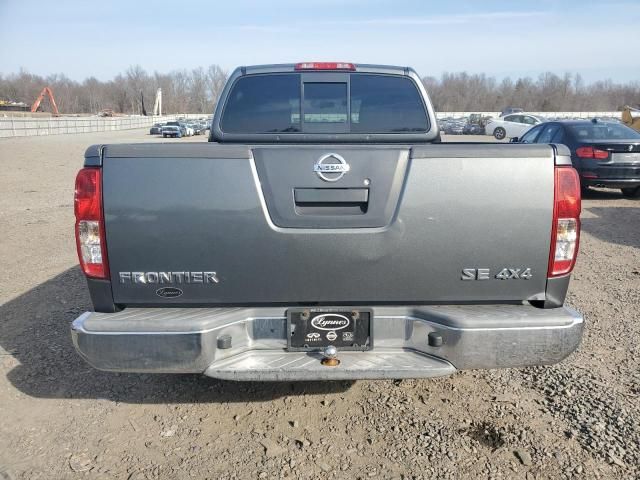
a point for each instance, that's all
(331, 201)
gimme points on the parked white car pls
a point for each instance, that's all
(513, 125)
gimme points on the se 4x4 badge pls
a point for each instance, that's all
(503, 274)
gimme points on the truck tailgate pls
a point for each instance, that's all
(400, 225)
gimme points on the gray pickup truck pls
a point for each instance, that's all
(324, 232)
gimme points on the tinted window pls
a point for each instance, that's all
(386, 104)
(603, 131)
(513, 118)
(547, 134)
(531, 135)
(263, 104)
(559, 137)
(279, 103)
(529, 120)
(325, 102)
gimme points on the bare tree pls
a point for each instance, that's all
(550, 92)
(197, 91)
(216, 78)
(199, 101)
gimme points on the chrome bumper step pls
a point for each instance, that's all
(292, 366)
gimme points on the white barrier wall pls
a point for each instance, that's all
(542, 114)
(25, 127)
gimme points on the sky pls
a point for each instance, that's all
(83, 38)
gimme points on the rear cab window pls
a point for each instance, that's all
(324, 103)
(386, 104)
(263, 104)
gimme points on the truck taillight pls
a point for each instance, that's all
(90, 237)
(565, 231)
(325, 66)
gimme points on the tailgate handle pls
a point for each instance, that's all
(331, 195)
(331, 201)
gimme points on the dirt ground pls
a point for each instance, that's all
(60, 419)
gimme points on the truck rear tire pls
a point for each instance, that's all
(633, 192)
(499, 133)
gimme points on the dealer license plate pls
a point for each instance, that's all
(313, 329)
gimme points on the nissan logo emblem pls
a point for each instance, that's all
(331, 167)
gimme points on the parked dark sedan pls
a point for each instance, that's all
(172, 131)
(181, 126)
(606, 154)
(156, 129)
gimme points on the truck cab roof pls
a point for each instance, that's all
(324, 67)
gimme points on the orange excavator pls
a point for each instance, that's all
(631, 117)
(45, 91)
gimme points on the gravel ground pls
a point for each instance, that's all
(61, 419)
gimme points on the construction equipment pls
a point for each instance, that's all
(478, 119)
(45, 91)
(9, 106)
(631, 117)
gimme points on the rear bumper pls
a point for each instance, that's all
(175, 340)
(610, 174)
